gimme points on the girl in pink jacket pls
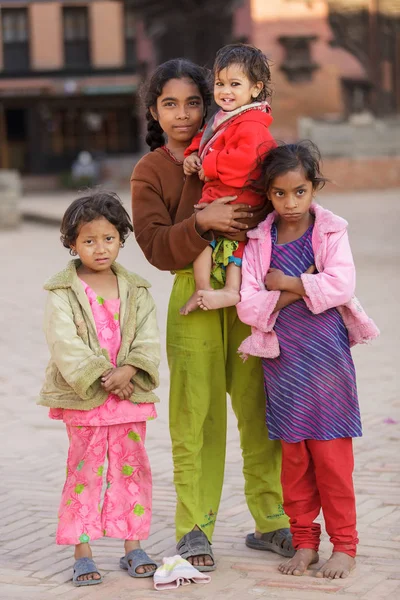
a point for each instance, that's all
(298, 281)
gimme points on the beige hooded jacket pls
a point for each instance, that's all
(77, 361)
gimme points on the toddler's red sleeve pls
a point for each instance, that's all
(195, 145)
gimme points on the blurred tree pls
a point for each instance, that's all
(195, 29)
(370, 30)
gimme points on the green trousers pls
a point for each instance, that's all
(204, 367)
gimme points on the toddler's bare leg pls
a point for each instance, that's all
(201, 271)
(228, 296)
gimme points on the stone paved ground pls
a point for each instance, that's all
(33, 448)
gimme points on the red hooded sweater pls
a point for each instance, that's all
(232, 157)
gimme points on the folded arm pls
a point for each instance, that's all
(257, 304)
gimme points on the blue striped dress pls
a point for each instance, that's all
(311, 386)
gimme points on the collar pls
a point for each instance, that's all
(68, 277)
(325, 221)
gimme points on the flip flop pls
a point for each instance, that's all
(278, 541)
(138, 558)
(195, 543)
(85, 566)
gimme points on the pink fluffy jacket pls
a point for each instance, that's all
(333, 285)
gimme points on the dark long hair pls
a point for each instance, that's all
(177, 68)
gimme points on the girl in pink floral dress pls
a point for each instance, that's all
(102, 334)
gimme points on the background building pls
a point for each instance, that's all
(70, 73)
(331, 58)
(70, 70)
(68, 82)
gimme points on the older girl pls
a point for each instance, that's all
(201, 347)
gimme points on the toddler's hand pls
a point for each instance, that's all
(192, 164)
(117, 380)
(202, 175)
(275, 280)
(310, 270)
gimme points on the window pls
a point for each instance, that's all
(130, 36)
(76, 37)
(356, 95)
(298, 65)
(15, 34)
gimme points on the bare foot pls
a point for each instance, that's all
(213, 299)
(135, 545)
(192, 304)
(84, 551)
(339, 566)
(300, 562)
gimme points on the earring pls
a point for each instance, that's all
(73, 252)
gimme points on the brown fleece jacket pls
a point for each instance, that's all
(162, 210)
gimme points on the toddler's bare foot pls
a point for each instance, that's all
(191, 305)
(339, 566)
(300, 562)
(193, 302)
(213, 299)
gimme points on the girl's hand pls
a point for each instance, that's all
(275, 280)
(127, 392)
(118, 379)
(192, 164)
(222, 216)
(202, 176)
(310, 270)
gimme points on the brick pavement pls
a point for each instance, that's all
(33, 448)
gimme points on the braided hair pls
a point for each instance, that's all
(177, 68)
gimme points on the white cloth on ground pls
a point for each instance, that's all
(176, 571)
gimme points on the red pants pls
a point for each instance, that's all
(319, 474)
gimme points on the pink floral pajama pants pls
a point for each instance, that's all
(126, 510)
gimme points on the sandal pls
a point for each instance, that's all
(279, 541)
(85, 566)
(195, 543)
(137, 558)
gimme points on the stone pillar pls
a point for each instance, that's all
(10, 194)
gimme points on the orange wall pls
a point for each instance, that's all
(320, 97)
(46, 35)
(107, 34)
